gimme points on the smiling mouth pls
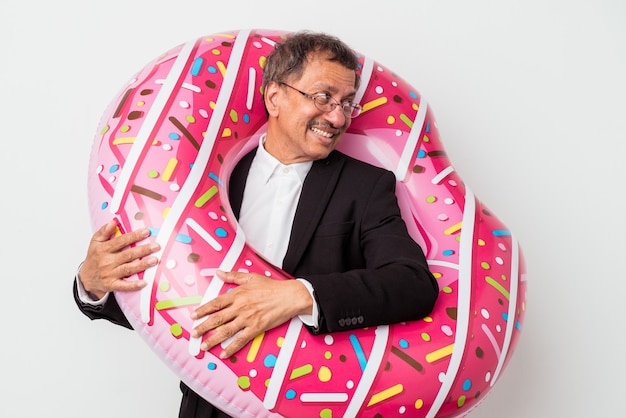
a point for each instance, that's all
(324, 130)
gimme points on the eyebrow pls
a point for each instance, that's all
(319, 87)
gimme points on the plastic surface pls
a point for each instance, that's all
(161, 159)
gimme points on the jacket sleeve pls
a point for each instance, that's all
(365, 268)
(110, 310)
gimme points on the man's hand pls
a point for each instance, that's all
(111, 259)
(256, 305)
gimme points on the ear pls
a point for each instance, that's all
(271, 97)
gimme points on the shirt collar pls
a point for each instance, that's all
(267, 164)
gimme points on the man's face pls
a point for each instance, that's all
(298, 131)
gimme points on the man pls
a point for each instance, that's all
(329, 220)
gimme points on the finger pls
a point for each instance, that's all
(234, 277)
(130, 254)
(128, 285)
(128, 239)
(105, 232)
(230, 331)
(218, 304)
(128, 269)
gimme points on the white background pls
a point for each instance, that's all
(530, 100)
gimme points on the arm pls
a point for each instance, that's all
(365, 268)
(110, 260)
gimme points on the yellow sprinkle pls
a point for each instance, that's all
(130, 140)
(453, 229)
(374, 103)
(385, 394)
(324, 374)
(391, 120)
(124, 140)
(165, 212)
(439, 354)
(169, 169)
(254, 347)
(262, 61)
(225, 35)
(221, 67)
(481, 242)
(227, 132)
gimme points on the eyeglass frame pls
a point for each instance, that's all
(331, 102)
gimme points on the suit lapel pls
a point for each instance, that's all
(316, 193)
(237, 182)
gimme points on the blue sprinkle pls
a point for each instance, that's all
(211, 69)
(421, 154)
(467, 384)
(518, 325)
(269, 361)
(412, 95)
(213, 176)
(360, 355)
(428, 126)
(221, 232)
(211, 366)
(246, 118)
(448, 252)
(403, 343)
(114, 168)
(154, 232)
(290, 394)
(104, 205)
(501, 233)
(174, 136)
(505, 316)
(197, 65)
(185, 239)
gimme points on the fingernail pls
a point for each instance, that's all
(152, 261)
(223, 355)
(204, 347)
(154, 246)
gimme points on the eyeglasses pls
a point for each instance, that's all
(326, 103)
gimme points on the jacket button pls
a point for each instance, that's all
(354, 321)
(342, 322)
(360, 319)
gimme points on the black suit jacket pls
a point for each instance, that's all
(349, 240)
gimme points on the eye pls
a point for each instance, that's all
(322, 98)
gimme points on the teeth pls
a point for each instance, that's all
(323, 133)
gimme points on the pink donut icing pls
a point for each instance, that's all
(162, 159)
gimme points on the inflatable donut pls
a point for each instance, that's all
(161, 159)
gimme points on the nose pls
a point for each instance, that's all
(337, 117)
